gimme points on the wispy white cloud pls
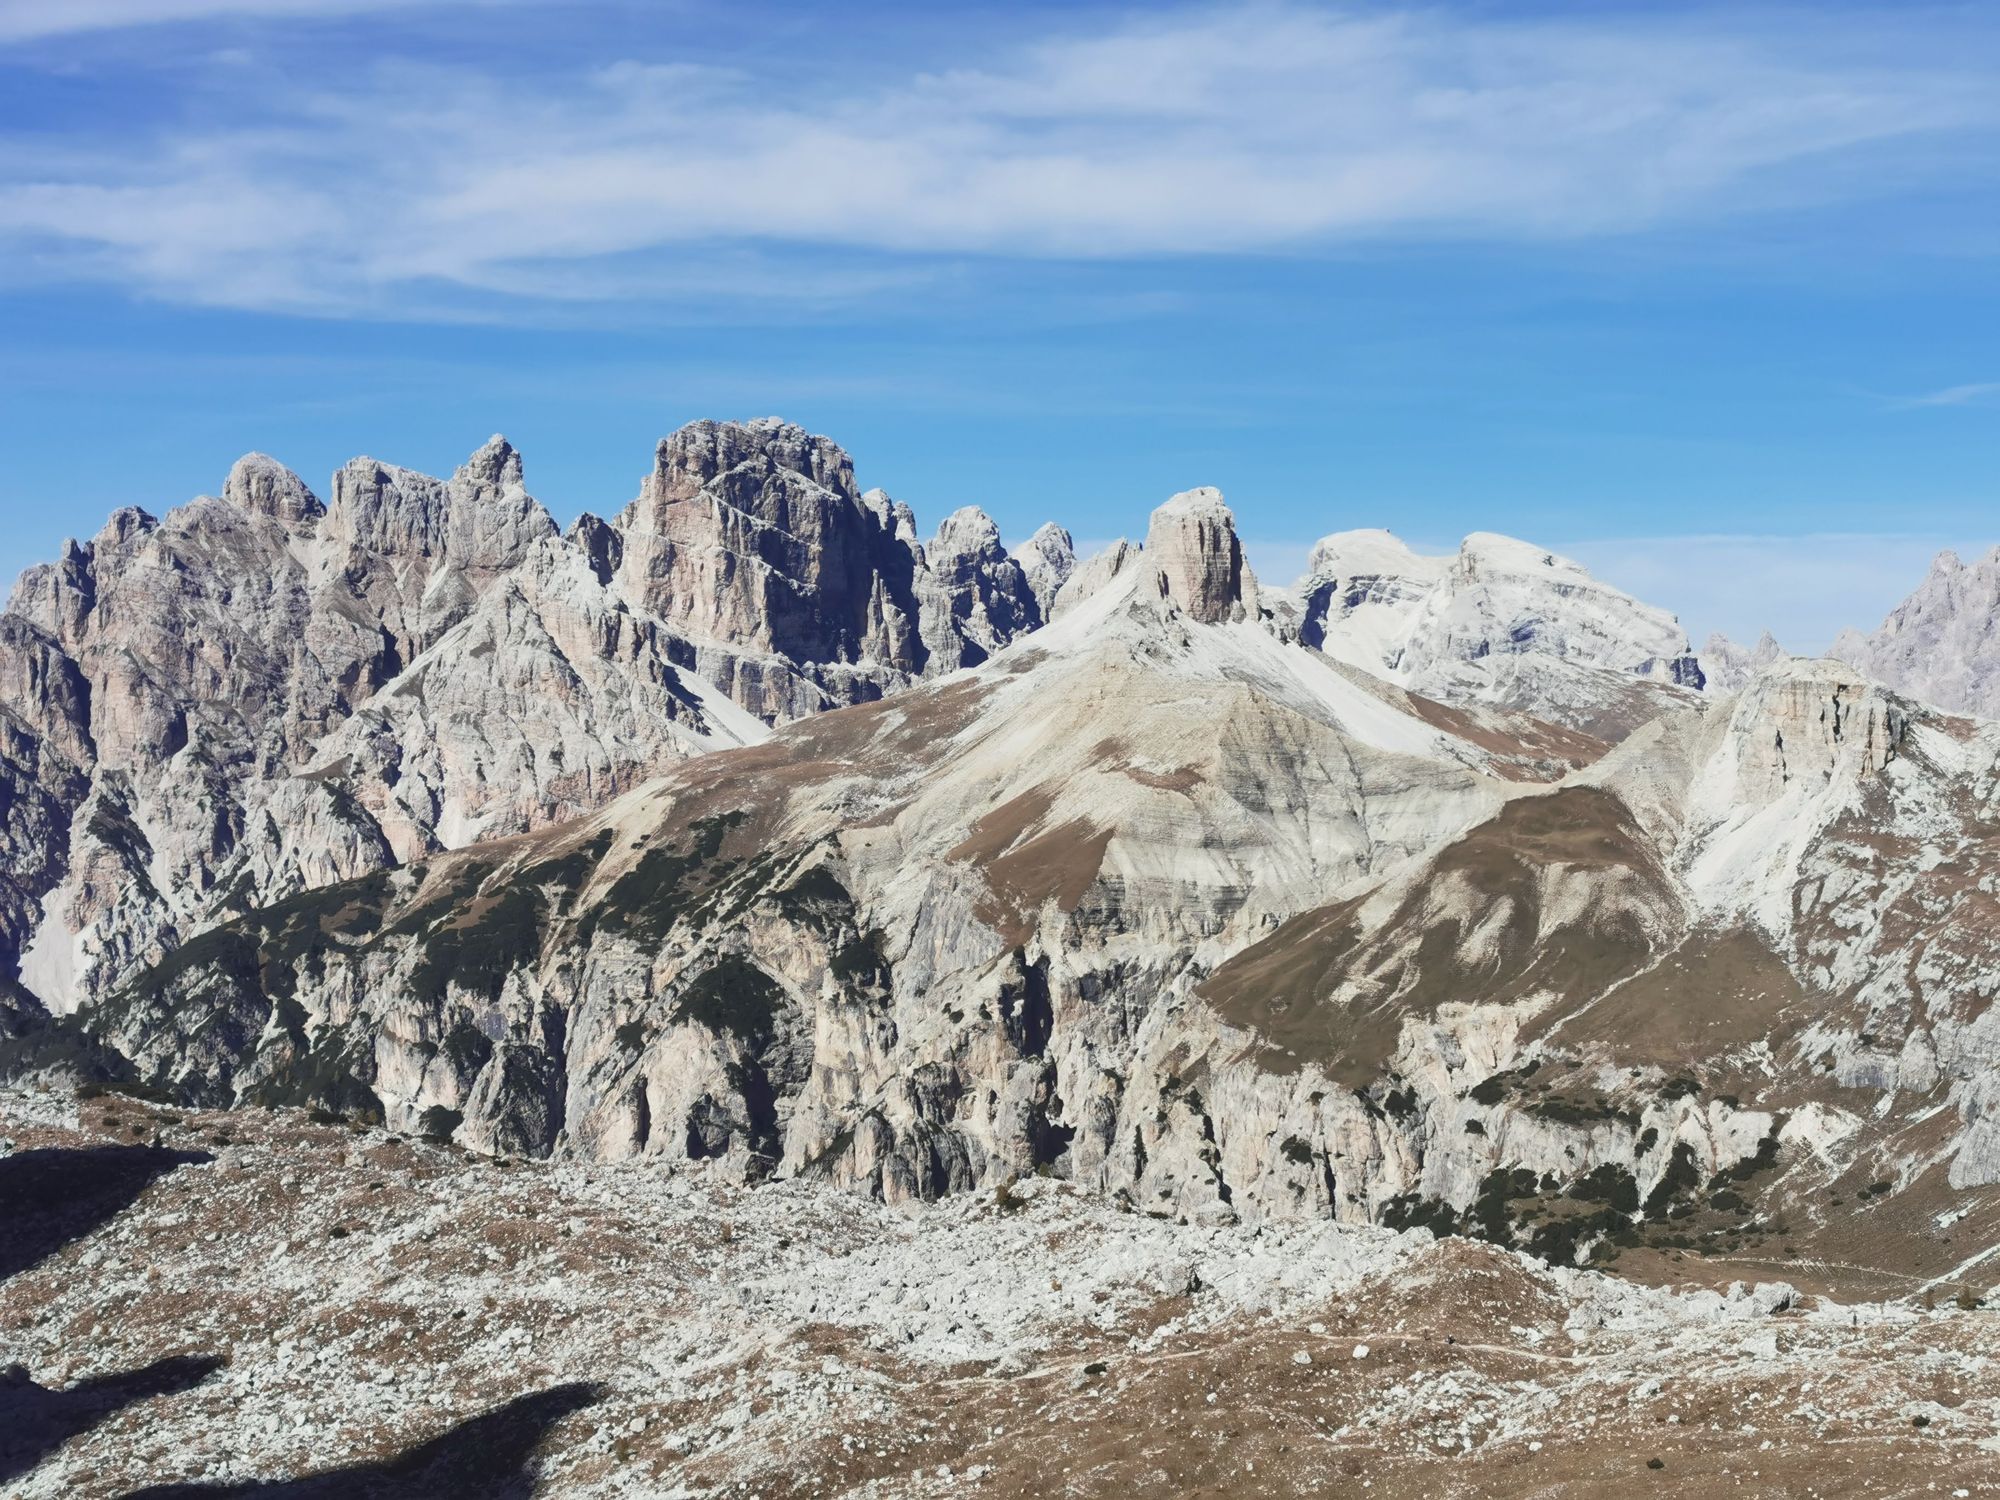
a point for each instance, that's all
(1978, 393)
(1803, 589)
(1269, 128)
(32, 20)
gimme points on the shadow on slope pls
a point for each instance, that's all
(49, 1198)
(35, 1420)
(490, 1457)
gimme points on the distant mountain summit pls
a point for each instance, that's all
(1501, 622)
(1942, 644)
(1729, 667)
(795, 590)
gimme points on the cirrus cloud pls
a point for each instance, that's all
(1275, 128)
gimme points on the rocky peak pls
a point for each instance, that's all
(490, 518)
(797, 590)
(1196, 559)
(752, 535)
(968, 533)
(261, 485)
(495, 466)
(975, 598)
(127, 524)
(1369, 553)
(697, 455)
(1500, 621)
(1942, 644)
(1047, 559)
(1506, 596)
(1360, 593)
(894, 517)
(1726, 666)
(386, 511)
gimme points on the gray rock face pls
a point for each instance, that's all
(412, 808)
(1047, 559)
(1727, 667)
(600, 543)
(985, 953)
(261, 485)
(45, 763)
(751, 541)
(1196, 560)
(1500, 622)
(753, 534)
(1189, 913)
(978, 598)
(919, 977)
(262, 693)
(1941, 644)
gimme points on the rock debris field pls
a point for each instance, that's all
(256, 1304)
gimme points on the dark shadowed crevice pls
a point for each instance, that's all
(642, 1113)
(1025, 1007)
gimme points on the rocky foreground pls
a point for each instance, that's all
(254, 1304)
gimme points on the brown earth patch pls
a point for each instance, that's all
(1180, 779)
(997, 831)
(1058, 864)
(1490, 883)
(1523, 748)
(1714, 993)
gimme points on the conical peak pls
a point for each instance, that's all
(966, 532)
(259, 483)
(1048, 561)
(1196, 560)
(495, 464)
(1051, 538)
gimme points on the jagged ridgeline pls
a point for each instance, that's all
(744, 830)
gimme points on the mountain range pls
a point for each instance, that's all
(749, 828)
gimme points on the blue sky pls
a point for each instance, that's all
(1703, 295)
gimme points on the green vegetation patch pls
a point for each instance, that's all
(665, 884)
(1490, 1091)
(1601, 1214)
(1583, 1111)
(733, 998)
(499, 932)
